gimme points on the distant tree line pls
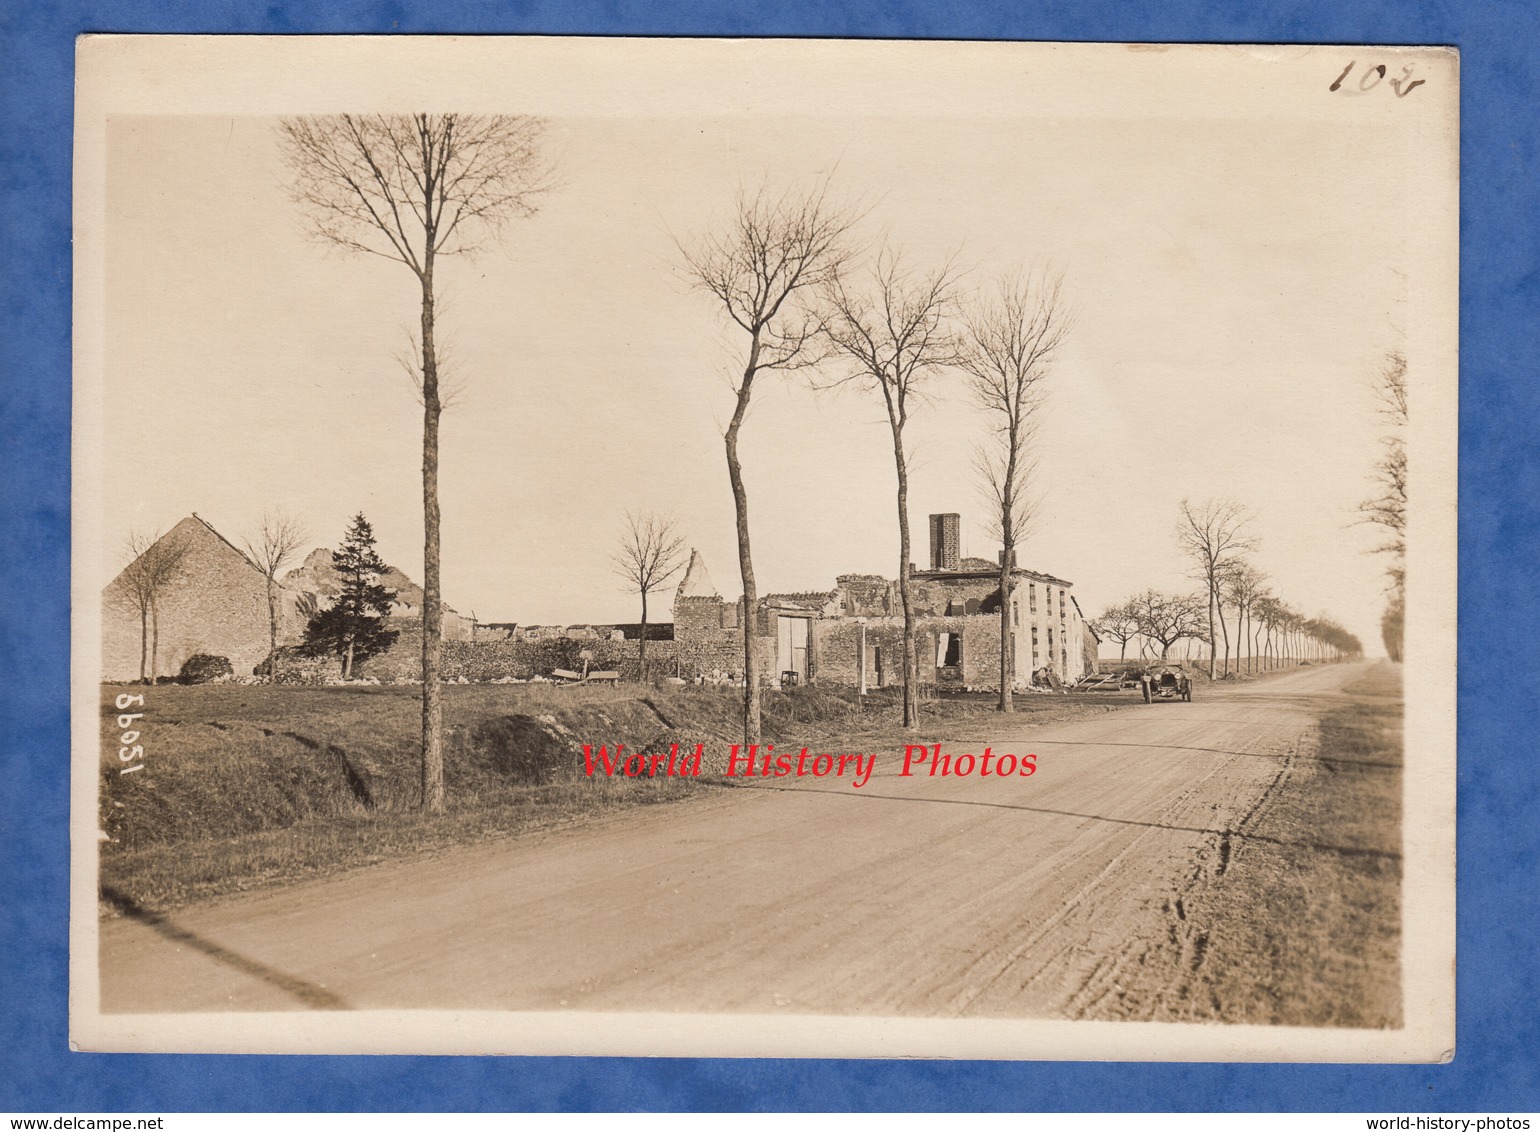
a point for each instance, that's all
(1235, 619)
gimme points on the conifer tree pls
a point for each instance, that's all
(352, 628)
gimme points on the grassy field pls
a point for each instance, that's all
(249, 786)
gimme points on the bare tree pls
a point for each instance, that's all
(412, 188)
(1166, 619)
(271, 547)
(771, 252)
(1121, 623)
(153, 561)
(1268, 611)
(1289, 621)
(649, 554)
(1227, 574)
(1243, 585)
(892, 332)
(1255, 625)
(1212, 535)
(1387, 509)
(1009, 341)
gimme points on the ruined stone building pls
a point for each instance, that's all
(853, 632)
(316, 575)
(214, 603)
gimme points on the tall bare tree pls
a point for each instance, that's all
(272, 546)
(152, 562)
(1255, 624)
(1242, 587)
(413, 188)
(1213, 536)
(773, 251)
(891, 330)
(1268, 611)
(650, 553)
(1009, 342)
(1387, 509)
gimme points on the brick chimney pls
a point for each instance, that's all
(944, 541)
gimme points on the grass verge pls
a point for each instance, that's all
(1301, 925)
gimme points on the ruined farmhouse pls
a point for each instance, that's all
(215, 602)
(853, 633)
(316, 575)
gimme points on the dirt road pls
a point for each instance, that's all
(1004, 897)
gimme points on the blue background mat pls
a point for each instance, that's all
(1496, 1068)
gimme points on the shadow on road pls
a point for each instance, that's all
(1314, 846)
(1216, 751)
(1035, 741)
(318, 998)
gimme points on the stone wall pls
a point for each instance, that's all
(950, 596)
(480, 662)
(980, 648)
(867, 595)
(702, 652)
(836, 642)
(704, 613)
(708, 640)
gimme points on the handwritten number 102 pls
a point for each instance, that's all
(1372, 78)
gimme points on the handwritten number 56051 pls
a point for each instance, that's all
(1372, 78)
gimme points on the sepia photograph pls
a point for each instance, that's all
(764, 548)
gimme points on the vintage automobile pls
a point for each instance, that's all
(1166, 681)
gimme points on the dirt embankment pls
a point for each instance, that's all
(245, 787)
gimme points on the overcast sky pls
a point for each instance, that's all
(1238, 283)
